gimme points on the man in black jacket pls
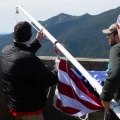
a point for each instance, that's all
(24, 76)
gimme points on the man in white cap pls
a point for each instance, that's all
(111, 87)
(111, 34)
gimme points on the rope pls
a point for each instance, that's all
(16, 16)
(27, 20)
(48, 92)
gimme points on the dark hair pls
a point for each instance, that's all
(115, 32)
(22, 31)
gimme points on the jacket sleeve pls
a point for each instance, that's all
(40, 74)
(34, 46)
(112, 82)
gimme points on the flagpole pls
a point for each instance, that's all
(114, 106)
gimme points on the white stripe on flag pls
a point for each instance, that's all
(64, 78)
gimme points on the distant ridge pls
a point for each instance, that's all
(81, 35)
(4, 33)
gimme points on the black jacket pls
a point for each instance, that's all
(25, 77)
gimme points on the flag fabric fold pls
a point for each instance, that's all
(74, 95)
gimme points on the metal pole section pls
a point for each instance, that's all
(92, 81)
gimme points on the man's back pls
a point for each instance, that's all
(25, 76)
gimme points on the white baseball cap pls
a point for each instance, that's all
(111, 29)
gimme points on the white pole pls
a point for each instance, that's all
(92, 81)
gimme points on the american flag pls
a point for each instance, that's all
(74, 95)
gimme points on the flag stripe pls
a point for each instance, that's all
(71, 96)
(68, 101)
(77, 81)
(67, 110)
(70, 92)
(64, 78)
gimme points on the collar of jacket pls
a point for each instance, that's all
(18, 44)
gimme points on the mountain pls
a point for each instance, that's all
(81, 35)
(3, 33)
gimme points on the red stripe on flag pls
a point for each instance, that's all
(67, 110)
(69, 91)
(63, 66)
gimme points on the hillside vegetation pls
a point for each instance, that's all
(81, 35)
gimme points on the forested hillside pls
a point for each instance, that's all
(81, 35)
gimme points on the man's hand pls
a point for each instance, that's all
(40, 35)
(105, 104)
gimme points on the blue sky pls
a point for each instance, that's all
(44, 9)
